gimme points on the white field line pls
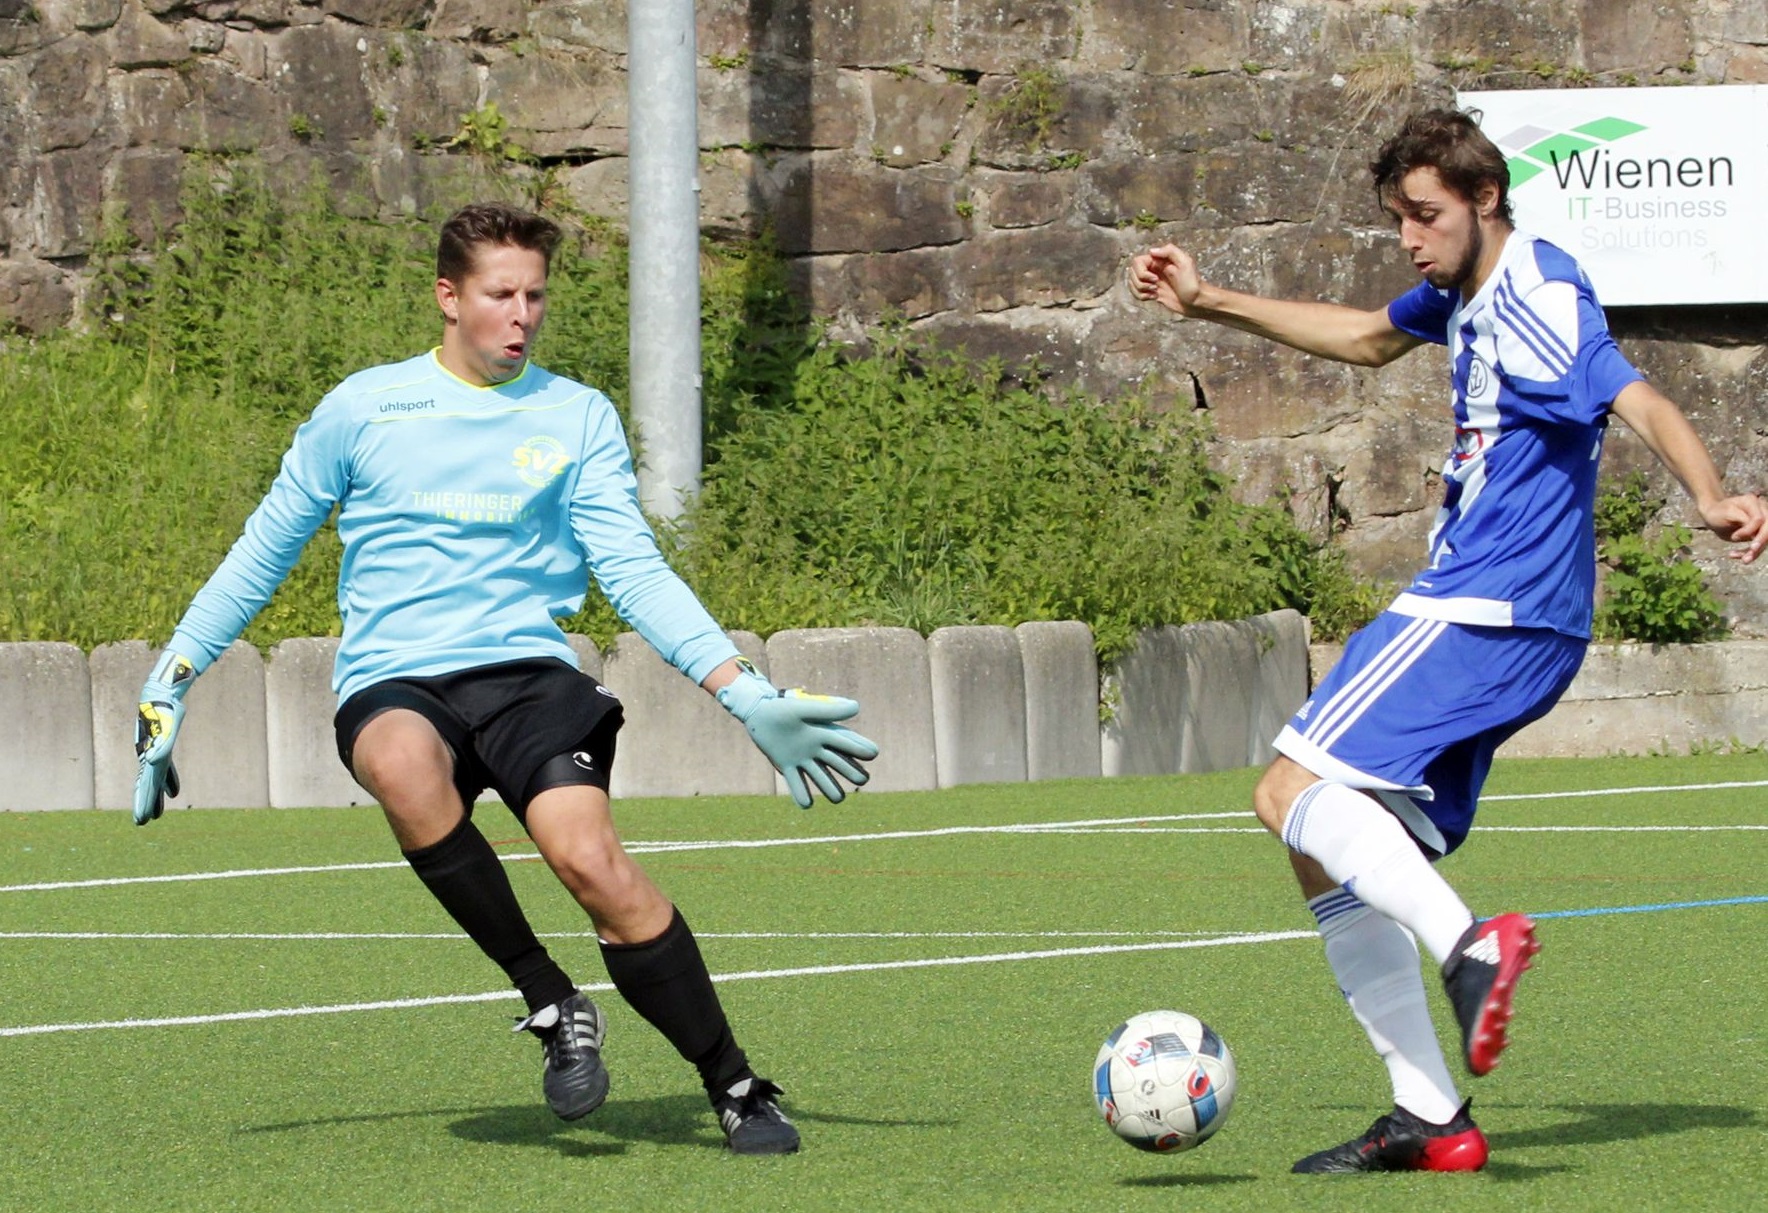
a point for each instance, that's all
(1029, 827)
(633, 848)
(1618, 829)
(457, 937)
(1100, 825)
(1680, 787)
(1482, 829)
(233, 874)
(750, 975)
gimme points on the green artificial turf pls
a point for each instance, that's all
(1637, 1080)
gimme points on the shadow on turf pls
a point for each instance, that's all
(674, 1120)
(1208, 1179)
(1598, 1123)
(680, 1120)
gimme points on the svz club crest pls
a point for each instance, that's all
(539, 459)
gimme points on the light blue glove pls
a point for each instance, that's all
(158, 716)
(799, 734)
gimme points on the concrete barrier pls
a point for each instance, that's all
(677, 740)
(221, 755)
(46, 746)
(1061, 700)
(886, 670)
(1221, 685)
(589, 658)
(1639, 699)
(978, 685)
(1282, 641)
(1201, 697)
(298, 707)
(1144, 693)
(1204, 696)
(1321, 659)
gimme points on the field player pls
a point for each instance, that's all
(475, 491)
(1379, 773)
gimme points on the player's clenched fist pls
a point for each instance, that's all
(1166, 275)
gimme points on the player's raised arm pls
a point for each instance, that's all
(1168, 276)
(1740, 518)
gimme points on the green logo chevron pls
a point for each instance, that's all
(1539, 156)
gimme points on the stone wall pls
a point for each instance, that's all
(979, 167)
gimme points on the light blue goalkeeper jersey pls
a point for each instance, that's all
(471, 519)
(1533, 372)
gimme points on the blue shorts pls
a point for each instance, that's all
(1415, 708)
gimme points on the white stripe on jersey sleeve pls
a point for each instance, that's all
(1537, 337)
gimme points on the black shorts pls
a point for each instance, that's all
(505, 724)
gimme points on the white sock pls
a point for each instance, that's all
(1365, 848)
(1376, 964)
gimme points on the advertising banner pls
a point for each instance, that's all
(1660, 193)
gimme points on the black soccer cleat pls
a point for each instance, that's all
(1401, 1141)
(574, 1078)
(750, 1115)
(1480, 978)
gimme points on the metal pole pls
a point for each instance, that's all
(664, 263)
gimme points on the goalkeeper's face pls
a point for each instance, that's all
(493, 314)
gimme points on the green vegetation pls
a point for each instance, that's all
(894, 485)
(1652, 591)
(922, 489)
(485, 133)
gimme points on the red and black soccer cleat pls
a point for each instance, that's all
(1480, 977)
(1401, 1141)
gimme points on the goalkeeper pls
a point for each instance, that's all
(475, 490)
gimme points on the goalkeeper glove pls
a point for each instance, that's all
(156, 727)
(799, 734)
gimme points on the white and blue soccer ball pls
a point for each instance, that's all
(1164, 1081)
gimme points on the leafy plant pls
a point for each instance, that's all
(916, 486)
(1651, 590)
(485, 133)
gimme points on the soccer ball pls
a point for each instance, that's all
(1164, 1081)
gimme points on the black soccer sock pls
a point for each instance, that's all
(665, 980)
(465, 875)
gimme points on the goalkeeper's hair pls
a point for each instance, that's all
(490, 223)
(1449, 141)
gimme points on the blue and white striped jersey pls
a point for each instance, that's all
(1533, 373)
(471, 518)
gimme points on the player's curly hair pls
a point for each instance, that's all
(1449, 141)
(490, 223)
